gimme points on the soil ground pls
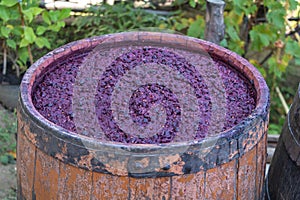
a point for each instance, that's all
(8, 182)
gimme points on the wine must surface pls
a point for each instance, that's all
(54, 91)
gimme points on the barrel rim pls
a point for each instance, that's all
(262, 104)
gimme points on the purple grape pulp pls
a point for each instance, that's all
(52, 95)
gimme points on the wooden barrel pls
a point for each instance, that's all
(283, 181)
(54, 163)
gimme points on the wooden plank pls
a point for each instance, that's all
(221, 181)
(106, 186)
(189, 186)
(74, 183)
(246, 186)
(25, 165)
(46, 176)
(261, 166)
(150, 188)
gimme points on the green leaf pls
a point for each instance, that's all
(196, 29)
(29, 34)
(284, 62)
(276, 17)
(4, 13)
(61, 24)
(179, 26)
(192, 3)
(293, 4)
(5, 31)
(39, 42)
(293, 48)
(24, 43)
(18, 30)
(36, 10)
(232, 33)
(46, 17)
(23, 54)
(28, 15)
(14, 14)
(262, 71)
(42, 41)
(4, 160)
(224, 43)
(274, 129)
(54, 27)
(238, 3)
(273, 67)
(53, 15)
(64, 13)
(11, 43)
(41, 30)
(261, 36)
(237, 46)
(264, 39)
(32, 12)
(297, 61)
(8, 3)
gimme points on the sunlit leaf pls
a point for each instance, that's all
(192, 3)
(29, 34)
(42, 41)
(11, 43)
(196, 29)
(24, 43)
(46, 18)
(41, 30)
(4, 13)
(5, 31)
(9, 3)
(64, 13)
(23, 54)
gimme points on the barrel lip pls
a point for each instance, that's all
(261, 110)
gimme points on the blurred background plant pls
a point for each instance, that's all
(24, 28)
(8, 131)
(266, 32)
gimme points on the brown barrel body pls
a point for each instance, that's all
(56, 164)
(283, 180)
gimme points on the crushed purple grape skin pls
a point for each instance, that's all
(127, 62)
(52, 95)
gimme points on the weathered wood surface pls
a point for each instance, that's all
(283, 180)
(215, 27)
(41, 176)
(56, 164)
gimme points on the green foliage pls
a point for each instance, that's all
(21, 29)
(257, 31)
(293, 48)
(7, 137)
(120, 17)
(197, 27)
(12, 195)
(267, 25)
(262, 35)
